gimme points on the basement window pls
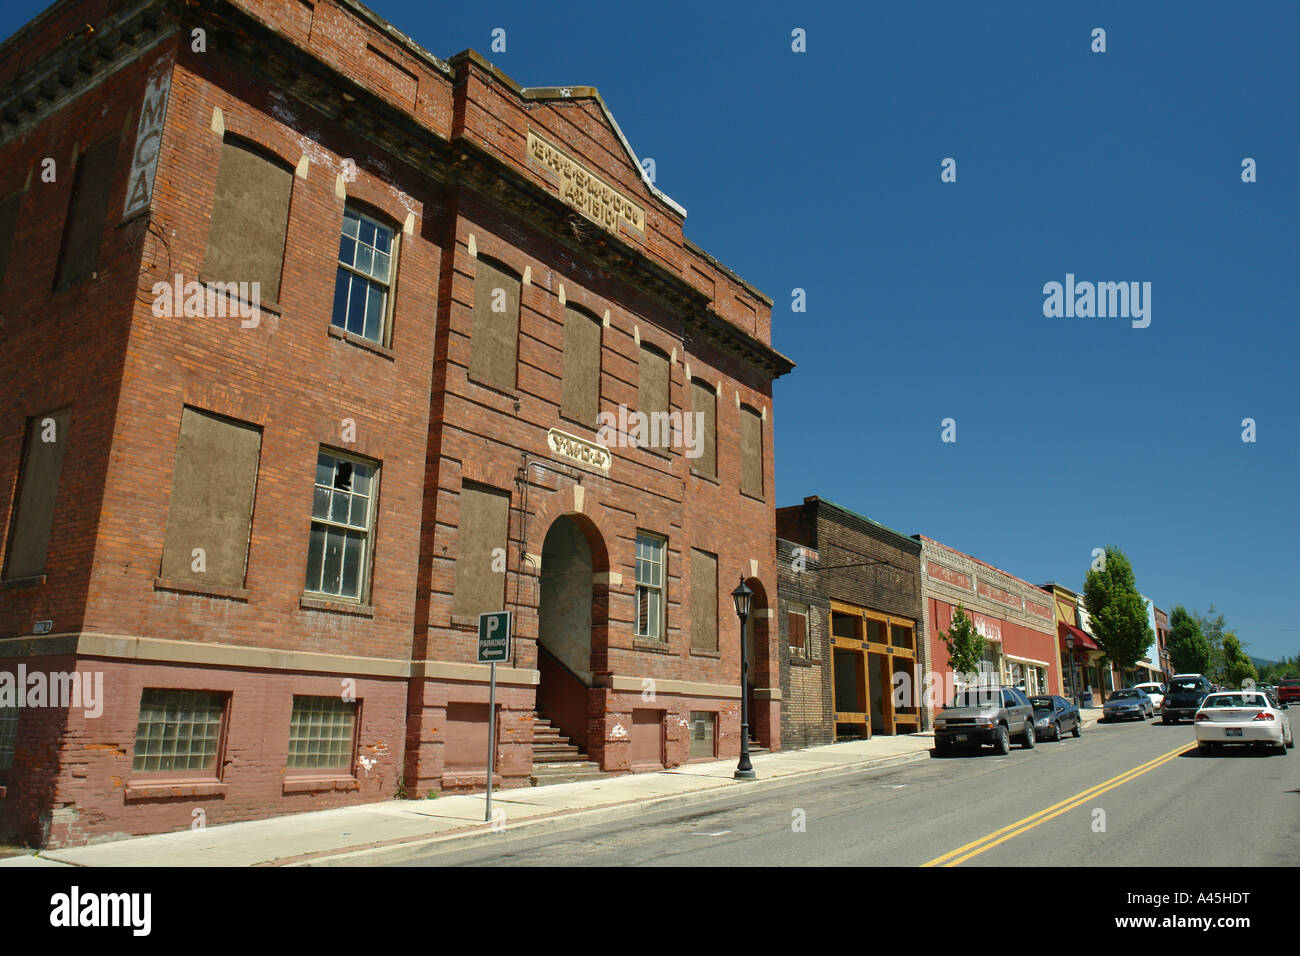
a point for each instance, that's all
(322, 734)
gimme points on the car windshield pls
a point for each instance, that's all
(1291, 682)
(1234, 700)
(1185, 685)
(1043, 703)
(1123, 694)
(1150, 688)
(977, 697)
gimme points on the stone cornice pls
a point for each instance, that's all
(80, 62)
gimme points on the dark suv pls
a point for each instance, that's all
(985, 715)
(1186, 691)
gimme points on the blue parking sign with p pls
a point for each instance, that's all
(494, 637)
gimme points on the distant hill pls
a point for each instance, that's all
(1260, 662)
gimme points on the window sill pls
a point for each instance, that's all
(653, 646)
(698, 652)
(362, 343)
(459, 620)
(320, 784)
(34, 581)
(705, 476)
(752, 497)
(195, 587)
(263, 305)
(801, 662)
(173, 789)
(340, 607)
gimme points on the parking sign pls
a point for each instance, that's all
(494, 637)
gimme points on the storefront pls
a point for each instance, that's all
(1014, 617)
(849, 600)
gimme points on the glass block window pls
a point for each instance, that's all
(649, 586)
(8, 736)
(178, 731)
(340, 529)
(702, 733)
(362, 286)
(321, 733)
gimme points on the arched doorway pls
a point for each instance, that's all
(572, 623)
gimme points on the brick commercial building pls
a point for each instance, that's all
(317, 347)
(849, 606)
(1014, 617)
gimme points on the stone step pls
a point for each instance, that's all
(561, 756)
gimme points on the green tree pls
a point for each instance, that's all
(1213, 626)
(1119, 614)
(1189, 651)
(1237, 665)
(965, 644)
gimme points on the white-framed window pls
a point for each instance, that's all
(322, 733)
(367, 251)
(650, 551)
(342, 517)
(178, 731)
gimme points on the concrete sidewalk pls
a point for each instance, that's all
(396, 831)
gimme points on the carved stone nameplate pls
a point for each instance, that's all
(584, 190)
(579, 449)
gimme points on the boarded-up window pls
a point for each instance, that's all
(704, 601)
(86, 213)
(250, 213)
(751, 452)
(797, 622)
(480, 551)
(211, 504)
(652, 397)
(704, 408)
(646, 746)
(466, 741)
(581, 390)
(8, 225)
(29, 535)
(495, 343)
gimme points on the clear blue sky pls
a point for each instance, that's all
(821, 170)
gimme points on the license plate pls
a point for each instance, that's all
(1232, 731)
(960, 738)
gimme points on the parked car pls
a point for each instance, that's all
(1186, 691)
(1127, 704)
(1242, 717)
(1155, 691)
(985, 715)
(1053, 716)
(1288, 690)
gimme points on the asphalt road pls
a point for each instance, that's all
(1158, 807)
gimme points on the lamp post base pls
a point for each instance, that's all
(745, 775)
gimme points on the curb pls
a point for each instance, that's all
(408, 850)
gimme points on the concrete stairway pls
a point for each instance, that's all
(556, 759)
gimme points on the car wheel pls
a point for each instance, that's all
(1056, 732)
(1002, 741)
(1078, 726)
(1028, 739)
(1282, 748)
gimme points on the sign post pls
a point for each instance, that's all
(493, 648)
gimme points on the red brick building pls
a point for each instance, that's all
(1014, 617)
(318, 346)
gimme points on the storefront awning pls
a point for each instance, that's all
(1083, 641)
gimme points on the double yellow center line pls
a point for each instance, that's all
(964, 853)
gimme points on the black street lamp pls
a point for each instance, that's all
(1069, 643)
(743, 597)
